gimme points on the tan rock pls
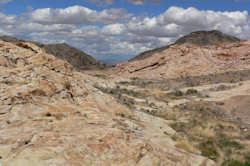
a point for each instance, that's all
(189, 60)
(51, 115)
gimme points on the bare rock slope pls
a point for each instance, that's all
(198, 38)
(189, 59)
(51, 115)
(75, 57)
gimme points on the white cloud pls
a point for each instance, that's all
(135, 2)
(142, 2)
(179, 21)
(114, 29)
(102, 2)
(78, 15)
(35, 27)
(7, 19)
(114, 36)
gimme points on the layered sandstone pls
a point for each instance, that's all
(51, 115)
(189, 60)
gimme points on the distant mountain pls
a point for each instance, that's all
(10, 39)
(189, 57)
(199, 38)
(75, 57)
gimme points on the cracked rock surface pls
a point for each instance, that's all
(51, 115)
(189, 60)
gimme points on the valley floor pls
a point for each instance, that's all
(209, 114)
(53, 115)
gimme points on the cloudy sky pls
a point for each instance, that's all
(120, 29)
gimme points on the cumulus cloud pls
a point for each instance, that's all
(115, 37)
(178, 21)
(135, 2)
(7, 19)
(78, 15)
(35, 27)
(142, 2)
(114, 29)
(102, 2)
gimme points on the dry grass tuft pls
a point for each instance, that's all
(185, 145)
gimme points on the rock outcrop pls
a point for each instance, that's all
(78, 59)
(198, 38)
(52, 115)
(75, 57)
(190, 60)
(202, 38)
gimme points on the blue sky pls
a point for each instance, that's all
(120, 29)
(20, 6)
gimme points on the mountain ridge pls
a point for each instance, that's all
(79, 59)
(199, 38)
(181, 60)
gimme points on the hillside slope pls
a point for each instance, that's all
(190, 59)
(52, 115)
(199, 38)
(75, 57)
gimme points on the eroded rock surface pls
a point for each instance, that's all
(77, 58)
(189, 60)
(51, 115)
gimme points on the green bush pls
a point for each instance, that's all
(191, 92)
(208, 149)
(178, 93)
(224, 143)
(235, 163)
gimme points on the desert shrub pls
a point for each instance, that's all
(208, 149)
(222, 88)
(124, 83)
(67, 85)
(247, 156)
(225, 143)
(38, 92)
(100, 76)
(180, 126)
(235, 163)
(185, 145)
(178, 93)
(247, 136)
(191, 92)
(7, 82)
(134, 78)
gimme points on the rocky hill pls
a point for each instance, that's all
(75, 57)
(202, 38)
(51, 115)
(201, 86)
(190, 59)
(199, 38)
(187, 105)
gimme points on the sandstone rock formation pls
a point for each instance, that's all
(51, 115)
(78, 59)
(198, 38)
(190, 60)
(202, 38)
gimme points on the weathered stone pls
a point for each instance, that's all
(58, 118)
